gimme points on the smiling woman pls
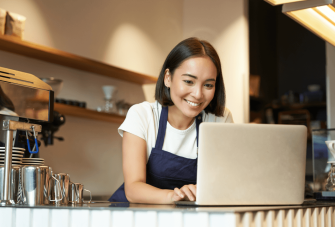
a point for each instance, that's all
(159, 144)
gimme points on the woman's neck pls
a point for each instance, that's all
(178, 120)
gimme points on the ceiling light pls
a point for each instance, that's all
(318, 16)
(280, 2)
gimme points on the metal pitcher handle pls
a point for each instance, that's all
(90, 195)
(77, 194)
(59, 189)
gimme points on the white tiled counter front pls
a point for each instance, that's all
(138, 215)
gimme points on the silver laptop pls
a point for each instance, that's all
(250, 164)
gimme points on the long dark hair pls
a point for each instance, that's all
(188, 48)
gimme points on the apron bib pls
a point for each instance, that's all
(164, 169)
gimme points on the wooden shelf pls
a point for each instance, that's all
(86, 113)
(295, 106)
(48, 54)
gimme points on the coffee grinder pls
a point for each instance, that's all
(26, 102)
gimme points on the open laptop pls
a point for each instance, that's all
(250, 164)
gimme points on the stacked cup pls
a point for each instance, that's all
(17, 155)
(32, 161)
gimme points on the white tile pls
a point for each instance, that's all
(145, 218)
(79, 218)
(6, 216)
(192, 219)
(222, 220)
(178, 218)
(40, 217)
(101, 218)
(165, 219)
(22, 217)
(122, 218)
(59, 218)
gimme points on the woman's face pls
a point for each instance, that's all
(192, 85)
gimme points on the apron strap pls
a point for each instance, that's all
(162, 127)
(198, 120)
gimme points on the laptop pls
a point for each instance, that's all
(250, 164)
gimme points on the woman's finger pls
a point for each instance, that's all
(179, 193)
(188, 192)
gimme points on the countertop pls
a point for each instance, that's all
(104, 205)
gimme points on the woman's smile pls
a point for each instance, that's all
(195, 104)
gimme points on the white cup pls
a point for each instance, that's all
(331, 146)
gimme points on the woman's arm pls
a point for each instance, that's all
(134, 170)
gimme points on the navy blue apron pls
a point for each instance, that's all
(164, 169)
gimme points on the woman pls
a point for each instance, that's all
(159, 142)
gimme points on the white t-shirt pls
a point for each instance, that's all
(142, 120)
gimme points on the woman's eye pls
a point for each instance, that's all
(209, 85)
(188, 81)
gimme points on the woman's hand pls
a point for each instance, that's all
(187, 192)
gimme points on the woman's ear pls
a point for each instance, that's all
(167, 78)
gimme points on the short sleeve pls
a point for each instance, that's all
(137, 120)
(228, 116)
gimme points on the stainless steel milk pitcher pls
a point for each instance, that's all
(14, 181)
(55, 190)
(32, 184)
(76, 192)
(35, 185)
(45, 181)
(64, 180)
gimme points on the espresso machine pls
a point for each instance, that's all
(26, 102)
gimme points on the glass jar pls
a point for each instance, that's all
(330, 186)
